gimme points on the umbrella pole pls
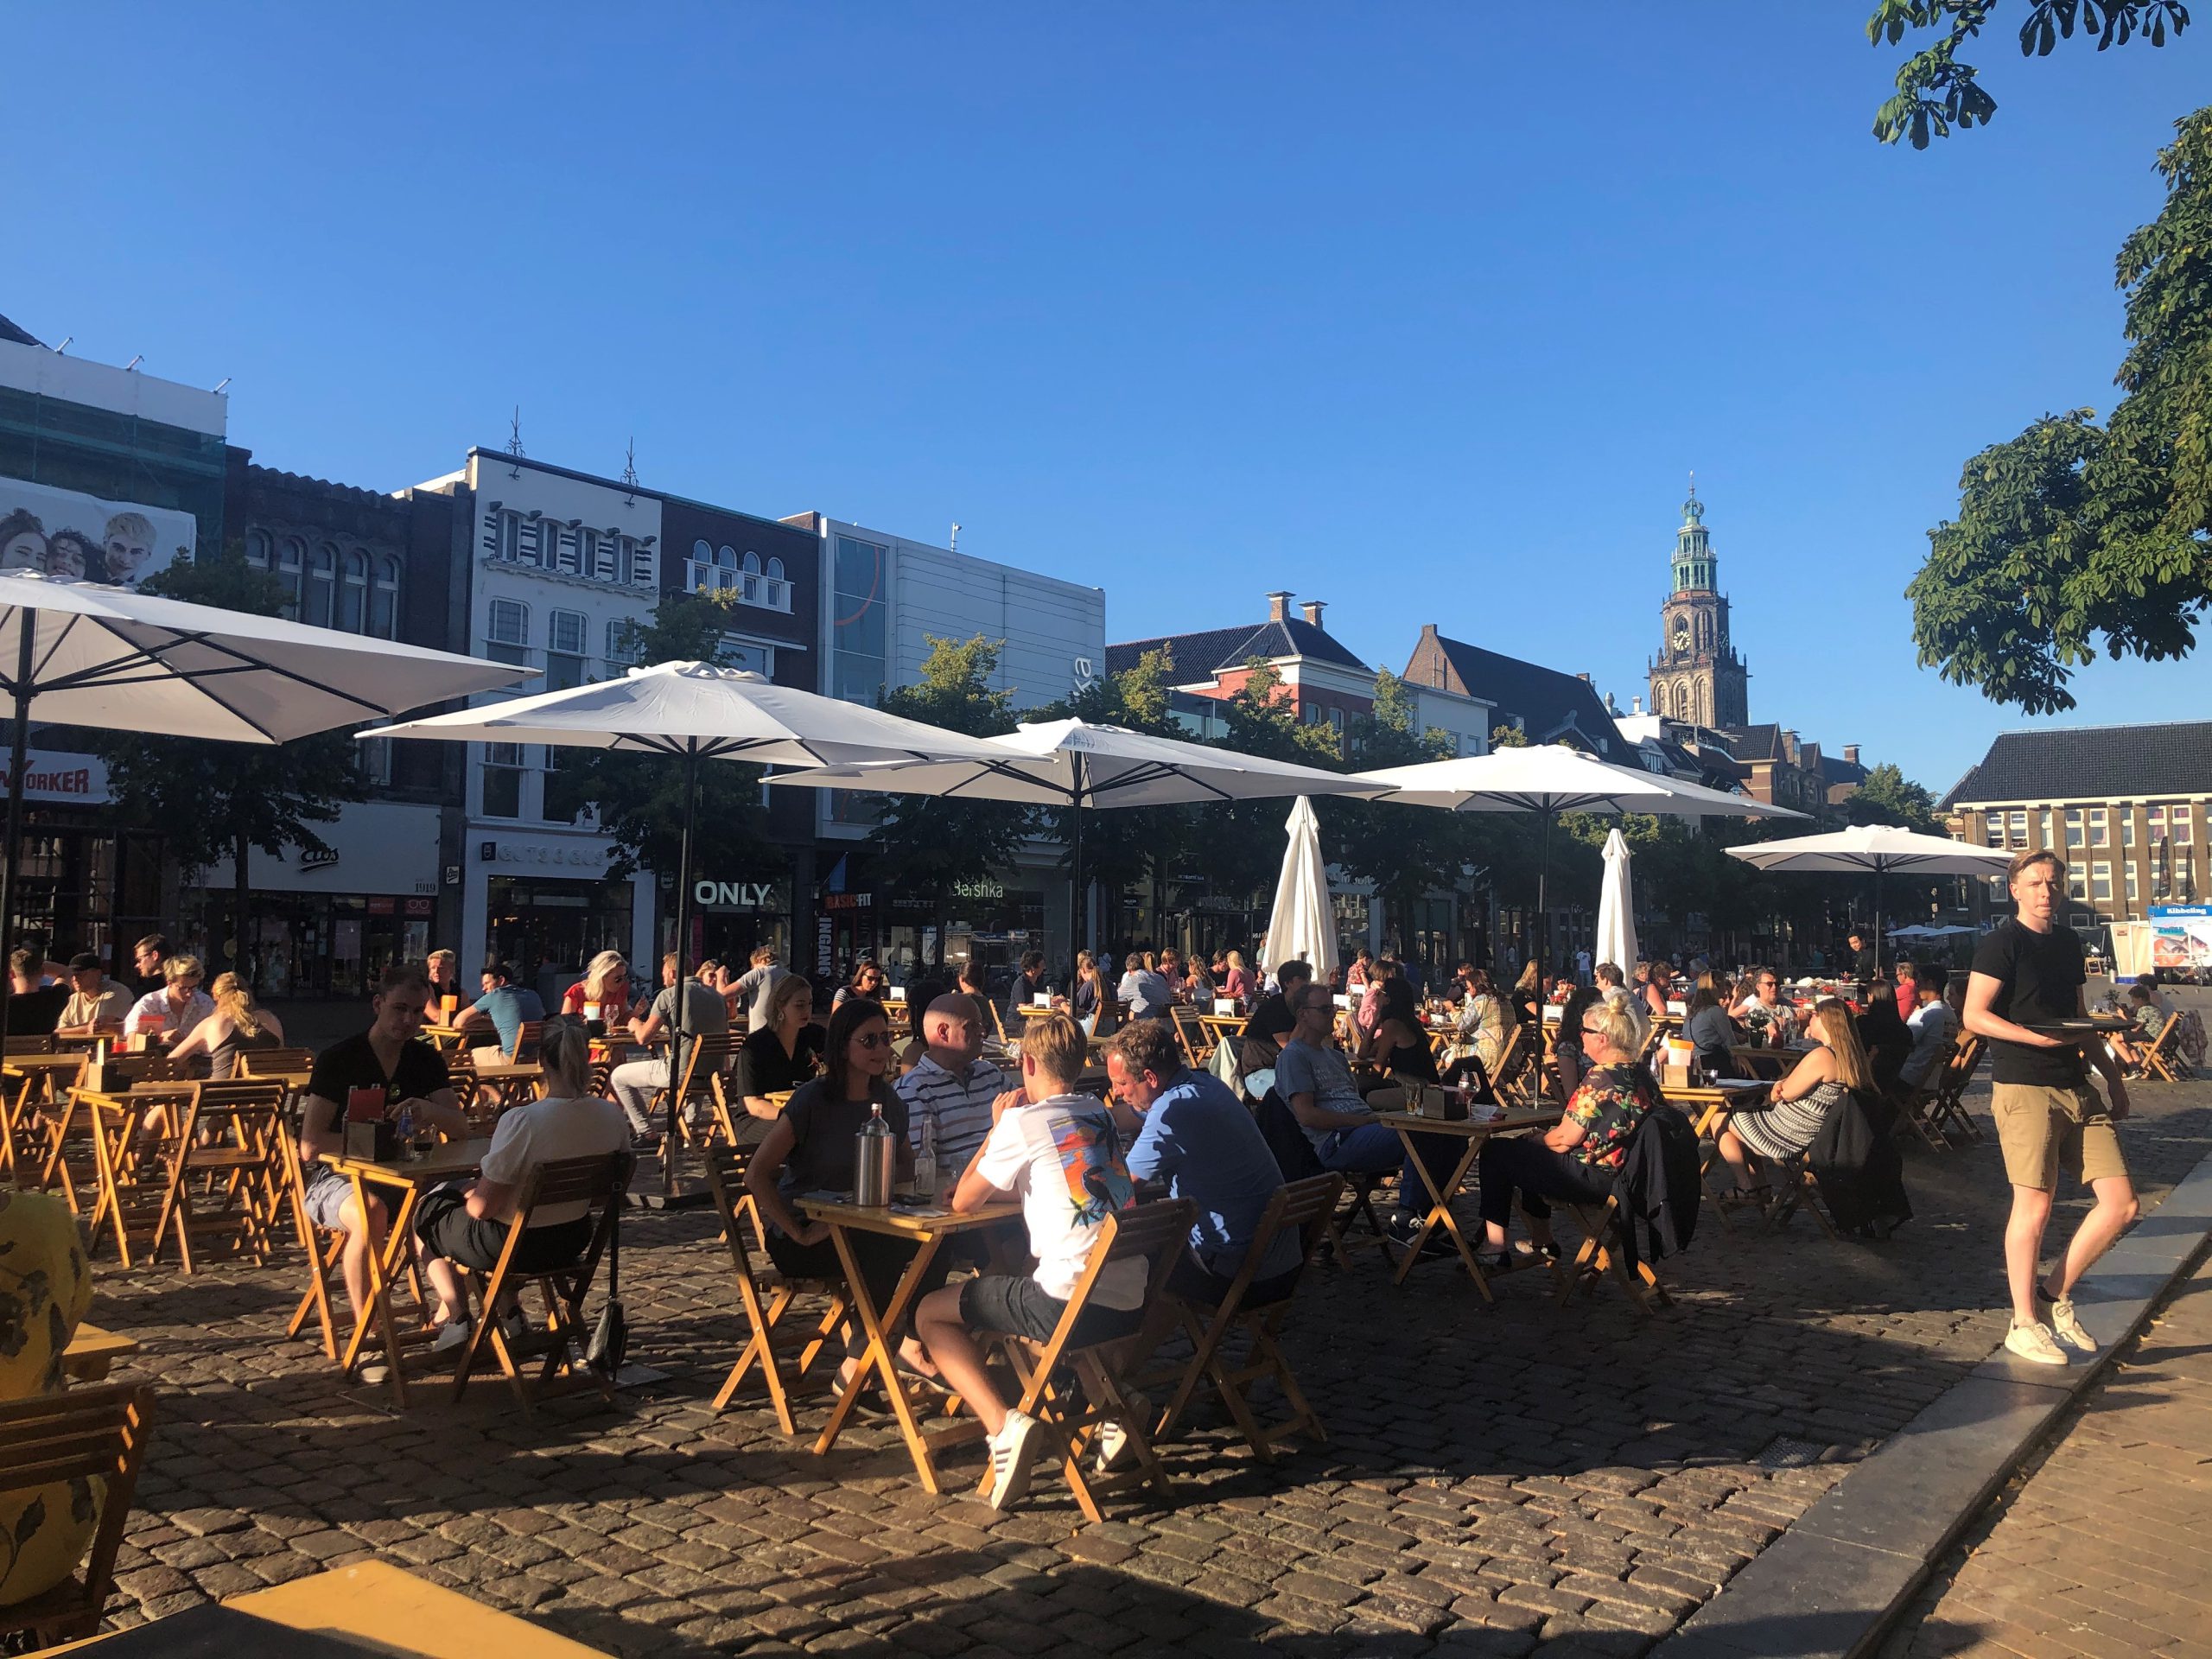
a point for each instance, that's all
(1878, 919)
(1543, 943)
(683, 932)
(20, 757)
(1075, 892)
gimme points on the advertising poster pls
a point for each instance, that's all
(62, 533)
(2181, 938)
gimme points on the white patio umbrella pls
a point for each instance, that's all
(1303, 924)
(1073, 764)
(1878, 847)
(1551, 779)
(87, 654)
(696, 712)
(1616, 905)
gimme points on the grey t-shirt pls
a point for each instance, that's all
(753, 987)
(705, 1014)
(1302, 1068)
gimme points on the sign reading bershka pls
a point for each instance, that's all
(83, 538)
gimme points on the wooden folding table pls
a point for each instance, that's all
(1474, 1131)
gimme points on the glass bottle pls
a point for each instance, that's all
(925, 1163)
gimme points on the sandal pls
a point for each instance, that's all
(1527, 1251)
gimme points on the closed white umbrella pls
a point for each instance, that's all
(1877, 848)
(696, 712)
(1551, 779)
(1074, 764)
(87, 654)
(1303, 924)
(1616, 905)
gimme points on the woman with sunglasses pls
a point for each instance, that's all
(1578, 1157)
(810, 1149)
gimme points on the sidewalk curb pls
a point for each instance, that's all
(1832, 1584)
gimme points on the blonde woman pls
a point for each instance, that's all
(1237, 981)
(170, 1014)
(606, 983)
(237, 1026)
(1800, 1103)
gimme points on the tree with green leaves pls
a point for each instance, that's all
(1404, 852)
(1242, 842)
(1937, 91)
(638, 798)
(929, 845)
(2074, 534)
(1889, 797)
(216, 802)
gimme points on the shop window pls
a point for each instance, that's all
(503, 765)
(384, 601)
(564, 649)
(354, 592)
(322, 586)
(507, 632)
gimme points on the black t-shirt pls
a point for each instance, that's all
(823, 1129)
(763, 1068)
(37, 1013)
(1272, 1018)
(2039, 977)
(351, 1065)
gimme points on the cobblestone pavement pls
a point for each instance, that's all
(1497, 1480)
(2105, 1547)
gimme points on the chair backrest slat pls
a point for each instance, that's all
(1139, 1230)
(576, 1180)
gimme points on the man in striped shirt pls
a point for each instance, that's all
(951, 1085)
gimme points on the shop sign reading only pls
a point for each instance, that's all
(739, 896)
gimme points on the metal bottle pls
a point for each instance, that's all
(872, 1161)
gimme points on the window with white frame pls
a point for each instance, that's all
(566, 632)
(503, 769)
(2100, 827)
(322, 586)
(624, 645)
(507, 632)
(2050, 827)
(2128, 826)
(384, 601)
(2077, 884)
(354, 592)
(2019, 824)
(2180, 824)
(2073, 826)
(510, 537)
(1993, 828)
(2133, 897)
(2101, 881)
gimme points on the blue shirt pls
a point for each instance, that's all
(1199, 1138)
(507, 1006)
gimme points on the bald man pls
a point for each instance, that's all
(951, 1085)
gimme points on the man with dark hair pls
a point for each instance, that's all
(1862, 956)
(379, 1075)
(503, 1010)
(2028, 974)
(147, 957)
(1273, 1021)
(705, 1014)
(1028, 985)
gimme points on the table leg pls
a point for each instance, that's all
(878, 1354)
(109, 1202)
(55, 1165)
(1439, 1214)
(379, 1308)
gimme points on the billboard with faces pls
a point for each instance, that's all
(83, 538)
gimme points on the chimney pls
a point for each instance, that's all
(1635, 705)
(1851, 754)
(1279, 606)
(1313, 607)
(1584, 678)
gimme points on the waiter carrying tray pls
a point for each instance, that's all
(2026, 997)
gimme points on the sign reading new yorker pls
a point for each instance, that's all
(81, 537)
(52, 776)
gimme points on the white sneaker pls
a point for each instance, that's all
(1114, 1439)
(2033, 1342)
(374, 1372)
(451, 1335)
(1012, 1448)
(2067, 1330)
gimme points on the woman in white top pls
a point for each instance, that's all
(466, 1221)
(173, 1011)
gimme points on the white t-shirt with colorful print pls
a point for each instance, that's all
(1063, 1158)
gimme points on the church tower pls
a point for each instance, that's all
(1697, 675)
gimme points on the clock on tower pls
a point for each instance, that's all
(1697, 677)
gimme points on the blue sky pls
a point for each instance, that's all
(1426, 311)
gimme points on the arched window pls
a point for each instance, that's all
(703, 552)
(259, 548)
(384, 602)
(726, 557)
(291, 558)
(752, 564)
(775, 570)
(322, 586)
(354, 593)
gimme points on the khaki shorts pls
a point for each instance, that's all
(2043, 1130)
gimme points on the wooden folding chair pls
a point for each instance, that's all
(765, 1303)
(323, 1247)
(708, 1057)
(263, 1064)
(23, 1125)
(226, 1176)
(1796, 1190)
(1197, 1047)
(998, 1022)
(1947, 1114)
(559, 1341)
(2163, 1059)
(1510, 1081)
(97, 1435)
(1157, 1233)
(133, 1164)
(528, 1034)
(1607, 1251)
(1304, 1206)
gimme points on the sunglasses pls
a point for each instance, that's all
(874, 1039)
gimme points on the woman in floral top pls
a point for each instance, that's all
(1578, 1157)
